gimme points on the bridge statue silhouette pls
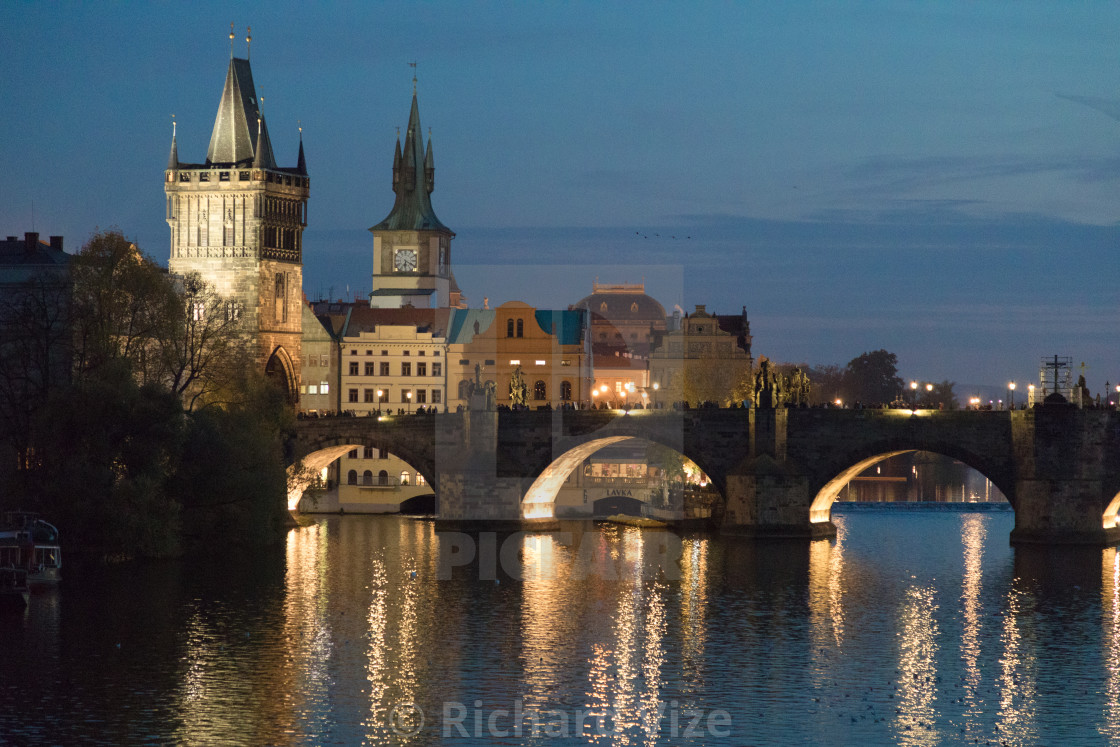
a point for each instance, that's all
(778, 470)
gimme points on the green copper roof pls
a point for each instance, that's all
(413, 181)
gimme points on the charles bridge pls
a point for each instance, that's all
(778, 470)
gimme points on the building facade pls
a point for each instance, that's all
(549, 348)
(702, 360)
(237, 220)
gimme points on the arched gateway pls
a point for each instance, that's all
(778, 470)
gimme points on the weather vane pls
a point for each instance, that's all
(231, 40)
(172, 125)
(413, 66)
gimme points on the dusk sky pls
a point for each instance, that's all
(937, 179)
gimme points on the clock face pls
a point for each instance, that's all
(405, 260)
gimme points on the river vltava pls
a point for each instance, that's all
(912, 627)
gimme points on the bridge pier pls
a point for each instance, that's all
(472, 497)
(1060, 512)
(768, 500)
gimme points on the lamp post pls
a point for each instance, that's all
(408, 397)
(1011, 397)
(380, 394)
(929, 395)
(914, 395)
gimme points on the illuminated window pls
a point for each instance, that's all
(542, 363)
(566, 391)
(404, 477)
(539, 391)
(420, 479)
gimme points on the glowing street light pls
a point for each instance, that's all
(408, 397)
(914, 394)
(1011, 398)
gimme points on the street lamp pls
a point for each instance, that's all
(914, 394)
(380, 394)
(1011, 399)
(408, 397)
(929, 395)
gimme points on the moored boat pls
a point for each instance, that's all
(31, 544)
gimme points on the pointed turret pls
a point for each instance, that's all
(429, 166)
(413, 181)
(301, 163)
(173, 157)
(234, 140)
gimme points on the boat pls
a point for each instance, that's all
(31, 544)
(14, 591)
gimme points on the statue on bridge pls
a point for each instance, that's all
(518, 392)
(798, 389)
(481, 396)
(767, 385)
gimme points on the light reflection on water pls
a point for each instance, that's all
(907, 628)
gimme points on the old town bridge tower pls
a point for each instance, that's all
(238, 221)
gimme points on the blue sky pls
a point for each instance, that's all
(939, 179)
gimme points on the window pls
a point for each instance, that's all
(520, 327)
(367, 452)
(406, 369)
(369, 369)
(352, 395)
(509, 328)
(464, 387)
(313, 389)
(383, 352)
(382, 478)
(353, 454)
(281, 308)
(634, 308)
(437, 369)
(384, 395)
(404, 477)
(420, 479)
(406, 395)
(603, 307)
(367, 478)
(421, 396)
(539, 391)
(352, 477)
(384, 368)
(566, 391)
(435, 354)
(382, 453)
(312, 360)
(324, 388)
(436, 398)
(542, 363)
(421, 369)
(353, 368)
(369, 352)
(323, 360)
(367, 395)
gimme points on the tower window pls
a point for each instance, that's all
(243, 176)
(223, 176)
(520, 327)
(509, 328)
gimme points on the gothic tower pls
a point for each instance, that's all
(238, 221)
(411, 248)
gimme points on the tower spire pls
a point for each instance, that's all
(248, 41)
(301, 164)
(173, 157)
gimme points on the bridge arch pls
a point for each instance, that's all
(838, 471)
(322, 452)
(539, 501)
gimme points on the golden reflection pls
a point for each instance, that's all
(694, 611)
(1016, 721)
(826, 590)
(1110, 606)
(917, 684)
(973, 533)
(542, 613)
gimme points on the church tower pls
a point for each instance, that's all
(411, 248)
(238, 221)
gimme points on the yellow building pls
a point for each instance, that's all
(551, 349)
(702, 360)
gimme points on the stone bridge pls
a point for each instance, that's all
(779, 471)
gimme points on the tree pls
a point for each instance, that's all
(713, 379)
(174, 332)
(873, 378)
(828, 384)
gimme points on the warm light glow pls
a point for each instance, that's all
(541, 363)
(657, 385)
(538, 510)
(1011, 386)
(929, 387)
(913, 385)
(603, 389)
(594, 392)
(408, 395)
(837, 403)
(379, 393)
(515, 363)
